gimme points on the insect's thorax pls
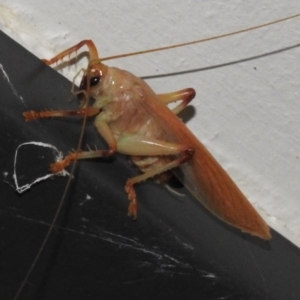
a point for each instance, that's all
(126, 102)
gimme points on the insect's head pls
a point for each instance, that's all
(90, 84)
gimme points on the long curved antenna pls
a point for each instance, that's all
(201, 40)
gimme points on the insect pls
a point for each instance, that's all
(136, 122)
(163, 150)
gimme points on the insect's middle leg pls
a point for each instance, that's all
(186, 95)
(76, 155)
(105, 132)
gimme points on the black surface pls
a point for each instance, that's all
(175, 250)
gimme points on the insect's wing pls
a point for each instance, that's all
(212, 186)
(206, 179)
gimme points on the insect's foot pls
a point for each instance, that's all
(62, 164)
(46, 61)
(57, 166)
(30, 115)
(132, 211)
(132, 208)
(33, 115)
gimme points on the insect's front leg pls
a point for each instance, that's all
(33, 115)
(92, 51)
(141, 146)
(186, 95)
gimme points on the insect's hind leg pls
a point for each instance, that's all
(149, 147)
(132, 208)
(186, 95)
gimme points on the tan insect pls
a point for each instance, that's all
(137, 122)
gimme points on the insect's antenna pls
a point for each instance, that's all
(201, 40)
(95, 61)
(64, 195)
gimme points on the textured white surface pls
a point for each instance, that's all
(247, 112)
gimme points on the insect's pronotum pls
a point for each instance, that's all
(135, 121)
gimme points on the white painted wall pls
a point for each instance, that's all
(247, 114)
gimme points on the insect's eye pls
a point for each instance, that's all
(94, 80)
(95, 77)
